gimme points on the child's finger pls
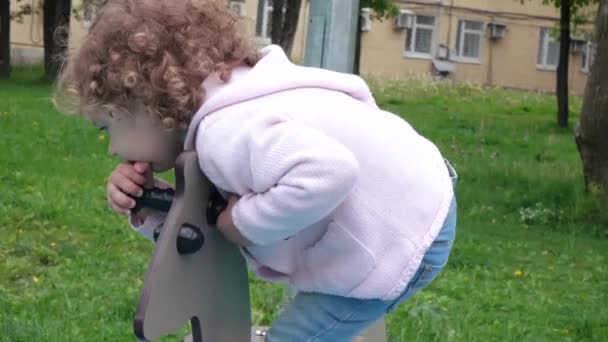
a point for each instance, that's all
(149, 175)
(141, 167)
(118, 209)
(145, 170)
(130, 172)
(119, 198)
(125, 184)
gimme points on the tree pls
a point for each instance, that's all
(5, 37)
(56, 34)
(569, 9)
(563, 64)
(56, 23)
(592, 130)
(285, 17)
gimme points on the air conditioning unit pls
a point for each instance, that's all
(238, 7)
(578, 45)
(497, 31)
(443, 52)
(405, 19)
(366, 20)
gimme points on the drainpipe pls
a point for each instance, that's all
(332, 28)
(450, 15)
(490, 76)
(438, 36)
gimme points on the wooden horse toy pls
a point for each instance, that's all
(195, 274)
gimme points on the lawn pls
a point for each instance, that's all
(529, 264)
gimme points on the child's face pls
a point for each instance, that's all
(140, 138)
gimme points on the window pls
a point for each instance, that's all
(468, 40)
(588, 56)
(238, 7)
(264, 20)
(419, 39)
(548, 50)
(89, 14)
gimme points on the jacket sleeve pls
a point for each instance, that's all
(289, 175)
(147, 227)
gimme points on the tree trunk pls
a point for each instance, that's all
(5, 39)
(592, 129)
(56, 34)
(292, 17)
(278, 11)
(562, 68)
(285, 16)
(357, 62)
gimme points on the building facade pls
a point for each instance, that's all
(256, 15)
(491, 42)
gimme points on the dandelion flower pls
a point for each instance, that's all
(53, 244)
(102, 137)
(518, 273)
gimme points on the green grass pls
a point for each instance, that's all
(70, 270)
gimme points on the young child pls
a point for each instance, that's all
(327, 192)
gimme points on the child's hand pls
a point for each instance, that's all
(227, 227)
(128, 179)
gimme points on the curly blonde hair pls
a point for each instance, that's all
(155, 53)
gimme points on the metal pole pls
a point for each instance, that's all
(331, 39)
(330, 44)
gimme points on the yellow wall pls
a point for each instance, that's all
(299, 43)
(508, 62)
(28, 33)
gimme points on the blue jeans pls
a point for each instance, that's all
(319, 317)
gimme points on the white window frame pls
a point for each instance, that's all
(233, 4)
(462, 30)
(588, 57)
(409, 50)
(544, 49)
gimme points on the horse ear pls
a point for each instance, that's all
(207, 287)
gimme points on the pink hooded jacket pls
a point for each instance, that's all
(338, 196)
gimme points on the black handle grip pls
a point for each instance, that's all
(161, 199)
(215, 206)
(155, 199)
